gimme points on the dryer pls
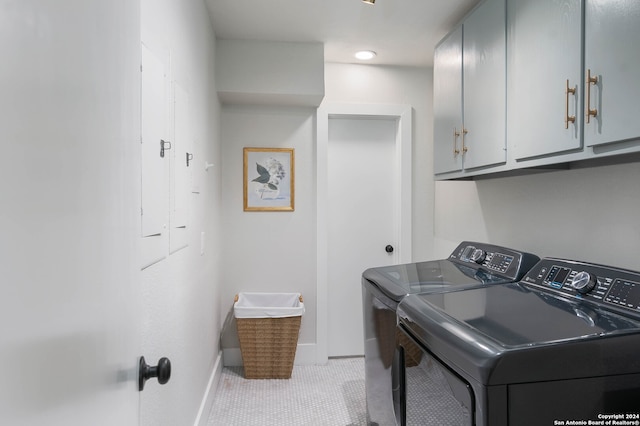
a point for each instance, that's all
(562, 346)
(470, 265)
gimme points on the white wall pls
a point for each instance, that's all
(289, 73)
(277, 251)
(268, 251)
(180, 316)
(76, 310)
(583, 214)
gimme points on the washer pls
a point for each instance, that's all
(562, 346)
(470, 265)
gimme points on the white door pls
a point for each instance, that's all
(69, 334)
(361, 219)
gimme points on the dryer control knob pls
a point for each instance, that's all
(478, 256)
(584, 282)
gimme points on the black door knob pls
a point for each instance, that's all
(389, 248)
(162, 371)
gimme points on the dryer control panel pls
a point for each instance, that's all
(494, 259)
(607, 286)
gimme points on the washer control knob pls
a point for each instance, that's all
(584, 282)
(478, 256)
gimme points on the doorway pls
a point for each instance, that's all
(358, 145)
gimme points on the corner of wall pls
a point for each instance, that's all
(202, 419)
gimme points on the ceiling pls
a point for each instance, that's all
(402, 32)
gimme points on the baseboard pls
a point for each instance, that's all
(209, 394)
(305, 355)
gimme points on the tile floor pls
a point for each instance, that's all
(322, 395)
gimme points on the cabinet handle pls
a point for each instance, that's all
(591, 112)
(164, 145)
(464, 147)
(456, 134)
(568, 118)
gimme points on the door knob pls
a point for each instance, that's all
(162, 371)
(389, 248)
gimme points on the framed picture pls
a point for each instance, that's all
(269, 179)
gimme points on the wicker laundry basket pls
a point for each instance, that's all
(268, 326)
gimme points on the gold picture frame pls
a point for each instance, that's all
(269, 180)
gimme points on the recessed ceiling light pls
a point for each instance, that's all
(369, 1)
(365, 55)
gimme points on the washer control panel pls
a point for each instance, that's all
(496, 260)
(604, 285)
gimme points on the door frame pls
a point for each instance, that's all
(402, 201)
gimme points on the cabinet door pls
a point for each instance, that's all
(543, 53)
(484, 83)
(447, 108)
(154, 118)
(612, 55)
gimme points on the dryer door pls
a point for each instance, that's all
(429, 392)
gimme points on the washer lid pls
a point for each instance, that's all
(512, 332)
(471, 264)
(427, 277)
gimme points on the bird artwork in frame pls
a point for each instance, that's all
(269, 179)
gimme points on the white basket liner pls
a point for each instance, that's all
(268, 305)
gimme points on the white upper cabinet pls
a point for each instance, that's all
(447, 108)
(612, 59)
(484, 86)
(469, 92)
(544, 79)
